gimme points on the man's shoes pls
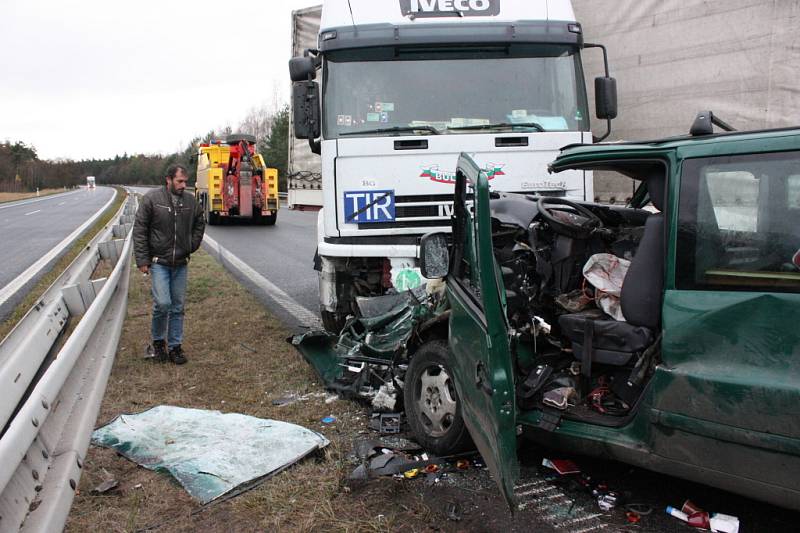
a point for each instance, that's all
(176, 355)
(160, 351)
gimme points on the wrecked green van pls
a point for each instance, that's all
(694, 370)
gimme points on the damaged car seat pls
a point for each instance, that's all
(607, 341)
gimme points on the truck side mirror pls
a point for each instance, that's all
(605, 97)
(434, 258)
(605, 94)
(305, 110)
(302, 68)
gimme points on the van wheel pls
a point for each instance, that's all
(432, 406)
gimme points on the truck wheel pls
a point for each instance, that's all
(432, 406)
(270, 220)
(213, 219)
(332, 322)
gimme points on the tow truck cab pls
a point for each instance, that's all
(701, 379)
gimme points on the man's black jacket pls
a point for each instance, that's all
(167, 233)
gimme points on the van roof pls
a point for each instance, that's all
(676, 142)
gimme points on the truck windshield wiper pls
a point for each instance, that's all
(500, 125)
(394, 129)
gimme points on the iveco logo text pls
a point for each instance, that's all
(421, 8)
(449, 5)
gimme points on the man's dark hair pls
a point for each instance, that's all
(172, 171)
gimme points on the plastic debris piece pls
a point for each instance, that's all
(360, 473)
(562, 466)
(677, 513)
(689, 507)
(330, 419)
(105, 486)
(431, 469)
(699, 520)
(723, 523)
(286, 400)
(411, 474)
(390, 423)
(453, 512)
(642, 509)
(462, 464)
(633, 518)
(381, 460)
(606, 273)
(331, 398)
(386, 398)
(560, 398)
(607, 501)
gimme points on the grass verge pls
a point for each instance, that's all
(238, 362)
(45, 281)
(14, 196)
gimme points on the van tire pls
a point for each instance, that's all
(433, 409)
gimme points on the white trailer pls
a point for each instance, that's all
(303, 167)
(406, 86)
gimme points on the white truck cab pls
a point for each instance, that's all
(404, 87)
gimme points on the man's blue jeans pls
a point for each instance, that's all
(169, 293)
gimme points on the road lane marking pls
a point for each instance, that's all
(32, 212)
(289, 304)
(19, 282)
(62, 203)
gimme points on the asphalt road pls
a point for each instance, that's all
(31, 228)
(283, 254)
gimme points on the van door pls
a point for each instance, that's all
(727, 396)
(478, 331)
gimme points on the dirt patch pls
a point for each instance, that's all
(238, 362)
(14, 196)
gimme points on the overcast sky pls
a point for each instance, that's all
(90, 78)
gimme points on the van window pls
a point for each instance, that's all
(739, 223)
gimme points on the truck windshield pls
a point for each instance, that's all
(455, 91)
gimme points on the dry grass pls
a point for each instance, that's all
(238, 362)
(14, 196)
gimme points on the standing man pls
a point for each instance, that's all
(169, 227)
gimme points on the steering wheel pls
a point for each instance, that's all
(581, 224)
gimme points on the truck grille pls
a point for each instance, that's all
(434, 211)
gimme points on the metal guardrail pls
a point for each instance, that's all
(52, 392)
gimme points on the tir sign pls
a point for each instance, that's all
(368, 207)
(443, 8)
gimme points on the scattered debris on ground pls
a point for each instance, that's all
(700, 519)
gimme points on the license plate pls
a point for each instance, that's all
(368, 207)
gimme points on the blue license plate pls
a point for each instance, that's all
(368, 207)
